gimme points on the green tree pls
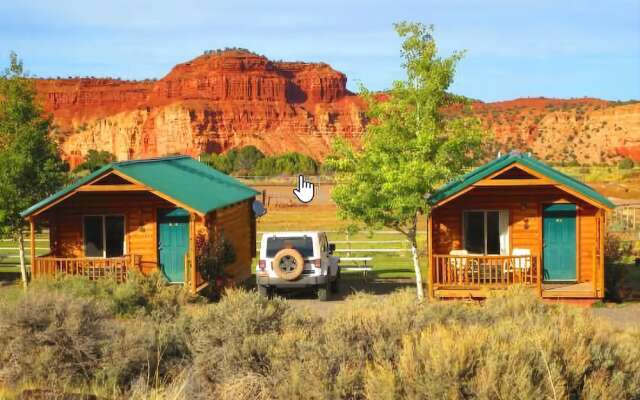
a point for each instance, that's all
(409, 148)
(626, 163)
(218, 161)
(94, 160)
(245, 160)
(30, 167)
(290, 163)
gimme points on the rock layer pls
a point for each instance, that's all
(234, 98)
(212, 103)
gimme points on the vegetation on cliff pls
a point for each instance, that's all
(249, 161)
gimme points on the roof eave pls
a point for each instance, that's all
(453, 188)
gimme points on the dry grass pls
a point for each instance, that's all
(249, 347)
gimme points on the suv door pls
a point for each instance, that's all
(328, 260)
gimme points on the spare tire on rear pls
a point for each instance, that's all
(288, 264)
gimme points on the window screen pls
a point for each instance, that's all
(474, 232)
(93, 237)
(493, 232)
(304, 245)
(114, 236)
(103, 236)
(486, 232)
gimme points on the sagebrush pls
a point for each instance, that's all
(249, 347)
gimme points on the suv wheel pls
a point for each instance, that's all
(323, 291)
(263, 291)
(335, 284)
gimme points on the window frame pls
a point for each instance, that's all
(104, 235)
(484, 212)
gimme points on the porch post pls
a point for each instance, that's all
(539, 272)
(603, 233)
(192, 253)
(430, 257)
(32, 246)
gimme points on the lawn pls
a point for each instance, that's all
(9, 260)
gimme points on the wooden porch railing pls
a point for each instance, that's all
(93, 268)
(471, 271)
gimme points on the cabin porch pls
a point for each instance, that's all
(477, 276)
(116, 268)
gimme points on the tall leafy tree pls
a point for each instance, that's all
(30, 167)
(409, 147)
(94, 160)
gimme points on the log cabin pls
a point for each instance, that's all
(146, 215)
(516, 220)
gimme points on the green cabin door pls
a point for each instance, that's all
(559, 242)
(173, 242)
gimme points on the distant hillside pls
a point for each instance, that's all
(233, 98)
(586, 131)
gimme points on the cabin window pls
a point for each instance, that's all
(104, 236)
(486, 231)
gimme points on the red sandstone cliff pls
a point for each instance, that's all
(235, 98)
(212, 103)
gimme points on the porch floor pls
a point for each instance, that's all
(572, 290)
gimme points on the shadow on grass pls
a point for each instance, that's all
(8, 277)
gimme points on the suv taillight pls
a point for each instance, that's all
(262, 264)
(317, 263)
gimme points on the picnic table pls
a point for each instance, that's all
(360, 264)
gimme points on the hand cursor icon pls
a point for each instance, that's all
(304, 192)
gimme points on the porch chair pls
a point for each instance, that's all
(519, 265)
(460, 264)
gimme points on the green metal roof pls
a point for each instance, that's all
(499, 163)
(181, 178)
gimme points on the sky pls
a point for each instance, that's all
(514, 48)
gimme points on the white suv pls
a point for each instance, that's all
(297, 260)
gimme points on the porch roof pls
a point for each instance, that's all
(505, 161)
(180, 178)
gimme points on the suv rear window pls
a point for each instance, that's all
(303, 244)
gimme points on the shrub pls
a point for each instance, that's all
(287, 164)
(626, 163)
(389, 348)
(94, 159)
(213, 255)
(148, 295)
(615, 271)
(145, 352)
(245, 159)
(52, 338)
(251, 161)
(372, 347)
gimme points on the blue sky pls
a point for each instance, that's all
(515, 48)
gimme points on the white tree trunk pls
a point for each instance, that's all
(416, 266)
(23, 267)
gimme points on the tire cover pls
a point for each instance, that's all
(288, 264)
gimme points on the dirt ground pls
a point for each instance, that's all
(624, 315)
